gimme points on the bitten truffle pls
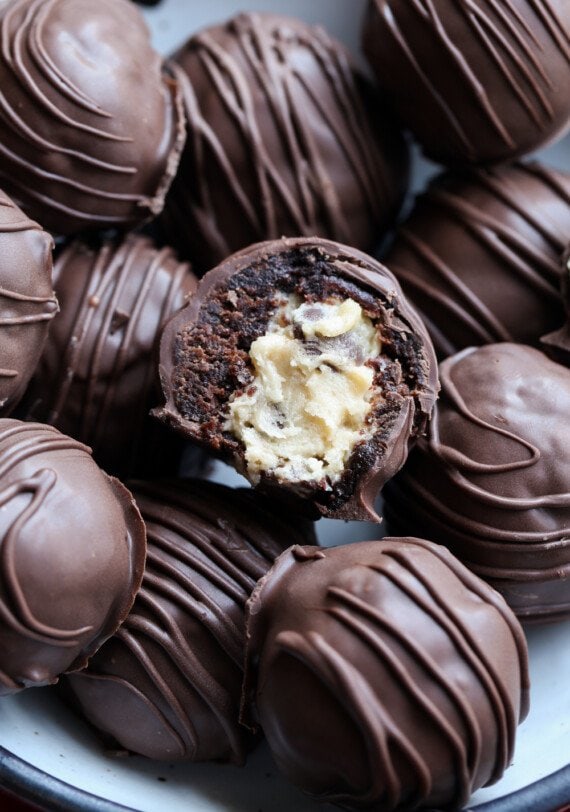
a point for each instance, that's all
(385, 675)
(168, 684)
(97, 378)
(72, 548)
(91, 123)
(480, 255)
(285, 138)
(491, 480)
(477, 82)
(301, 363)
(27, 301)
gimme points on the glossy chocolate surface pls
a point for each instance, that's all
(285, 138)
(72, 555)
(168, 684)
(385, 675)
(476, 81)
(204, 360)
(27, 301)
(92, 125)
(97, 378)
(480, 255)
(492, 478)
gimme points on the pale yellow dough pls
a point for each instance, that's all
(307, 406)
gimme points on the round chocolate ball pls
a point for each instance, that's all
(72, 546)
(91, 123)
(491, 480)
(27, 301)
(301, 363)
(168, 684)
(385, 675)
(97, 378)
(479, 255)
(476, 82)
(285, 138)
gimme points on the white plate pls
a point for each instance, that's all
(44, 744)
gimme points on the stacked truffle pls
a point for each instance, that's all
(286, 138)
(27, 301)
(97, 379)
(492, 478)
(168, 684)
(480, 255)
(301, 361)
(83, 146)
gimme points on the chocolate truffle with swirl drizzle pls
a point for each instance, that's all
(72, 548)
(300, 362)
(491, 480)
(27, 301)
(385, 675)
(479, 255)
(477, 81)
(168, 684)
(97, 377)
(285, 138)
(91, 124)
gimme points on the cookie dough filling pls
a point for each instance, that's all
(307, 406)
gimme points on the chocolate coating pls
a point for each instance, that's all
(476, 81)
(385, 675)
(491, 480)
(204, 360)
(91, 124)
(97, 378)
(168, 684)
(27, 301)
(285, 137)
(480, 255)
(72, 555)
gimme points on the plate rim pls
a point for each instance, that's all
(32, 784)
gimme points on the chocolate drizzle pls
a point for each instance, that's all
(176, 663)
(498, 493)
(280, 141)
(478, 81)
(388, 633)
(97, 378)
(480, 255)
(43, 473)
(27, 302)
(72, 148)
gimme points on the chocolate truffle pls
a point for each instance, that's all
(97, 378)
(476, 81)
(168, 684)
(27, 301)
(301, 363)
(72, 555)
(91, 124)
(281, 142)
(492, 478)
(480, 255)
(385, 675)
